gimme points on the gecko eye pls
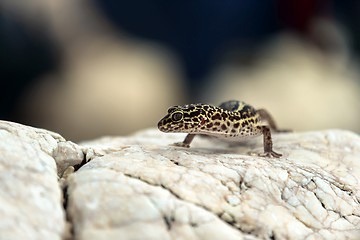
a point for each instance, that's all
(177, 116)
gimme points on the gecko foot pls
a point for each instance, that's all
(270, 154)
(180, 144)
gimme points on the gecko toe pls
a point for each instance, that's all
(180, 144)
(270, 154)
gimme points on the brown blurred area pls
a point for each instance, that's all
(107, 81)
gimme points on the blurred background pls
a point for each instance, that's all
(89, 68)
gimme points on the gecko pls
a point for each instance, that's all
(230, 121)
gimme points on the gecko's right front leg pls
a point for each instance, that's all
(186, 143)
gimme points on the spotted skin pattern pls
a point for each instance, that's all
(231, 121)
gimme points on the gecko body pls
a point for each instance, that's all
(231, 121)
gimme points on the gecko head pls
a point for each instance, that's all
(181, 119)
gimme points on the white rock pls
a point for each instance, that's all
(30, 196)
(308, 193)
(128, 208)
(139, 187)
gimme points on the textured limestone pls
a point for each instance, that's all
(139, 187)
(30, 196)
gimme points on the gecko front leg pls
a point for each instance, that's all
(186, 143)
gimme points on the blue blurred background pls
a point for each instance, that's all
(93, 68)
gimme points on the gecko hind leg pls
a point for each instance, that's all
(268, 145)
(266, 116)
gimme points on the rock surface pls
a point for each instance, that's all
(139, 187)
(30, 197)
